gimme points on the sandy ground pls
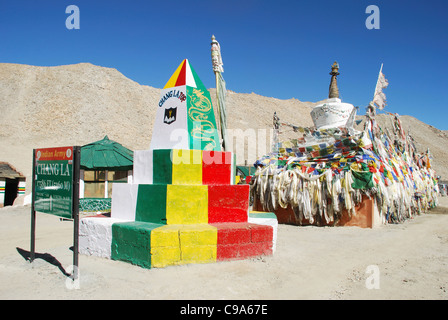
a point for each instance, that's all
(310, 263)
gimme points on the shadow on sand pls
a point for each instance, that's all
(44, 256)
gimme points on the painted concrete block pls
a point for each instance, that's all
(232, 233)
(228, 203)
(187, 204)
(165, 236)
(261, 233)
(162, 257)
(163, 167)
(131, 242)
(95, 236)
(198, 243)
(187, 167)
(197, 235)
(266, 218)
(124, 200)
(151, 203)
(243, 240)
(183, 244)
(248, 250)
(143, 167)
(243, 251)
(165, 246)
(216, 167)
(198, 254)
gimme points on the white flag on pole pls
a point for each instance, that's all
(379, 98)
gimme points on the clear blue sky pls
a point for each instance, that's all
(280, 49)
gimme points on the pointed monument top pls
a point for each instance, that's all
(184, 75)
(185, 117)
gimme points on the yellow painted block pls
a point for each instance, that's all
(187, 167)
(198, 254)
(198, 243)
(198, 235)
(186, 204)
(166, 236)
(165, 256)
(183, 244)
(165, 246)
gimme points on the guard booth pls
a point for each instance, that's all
(12, 184)
(103, 163)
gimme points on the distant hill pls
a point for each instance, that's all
(81, 103)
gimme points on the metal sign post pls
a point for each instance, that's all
(55, 190)
(33, 212)
(75, 211)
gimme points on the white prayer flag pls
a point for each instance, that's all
(379, 98)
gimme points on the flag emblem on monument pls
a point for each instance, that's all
(170, 115)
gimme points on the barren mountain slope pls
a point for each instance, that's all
(79, 104)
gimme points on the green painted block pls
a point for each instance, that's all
(263, 215)
(131, 242)
(151, 203)
(162, 166)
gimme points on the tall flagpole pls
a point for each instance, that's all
(217, 69)
(217, 102)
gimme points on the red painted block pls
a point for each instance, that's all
(227, 252)
(216, 167)
(248, 250)
(243, 250)
(242, 240)
(261, 233)
(233, 233)
(228, 203)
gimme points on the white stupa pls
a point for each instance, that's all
(333, 113)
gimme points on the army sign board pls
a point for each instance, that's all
(54, 181)
(56, 190)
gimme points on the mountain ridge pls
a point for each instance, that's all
(80, 103)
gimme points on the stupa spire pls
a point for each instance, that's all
(334, 91)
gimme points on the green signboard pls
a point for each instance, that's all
(56, 190)
(54, 178)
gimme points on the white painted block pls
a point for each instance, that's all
(95, 236)
(143, 167)
(124, 201)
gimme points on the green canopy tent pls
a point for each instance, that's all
(102, 163)
(106, 155)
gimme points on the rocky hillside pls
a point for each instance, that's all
(79, 104)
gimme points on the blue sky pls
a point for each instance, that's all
(282, 49)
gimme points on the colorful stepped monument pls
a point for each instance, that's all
(183, 206)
